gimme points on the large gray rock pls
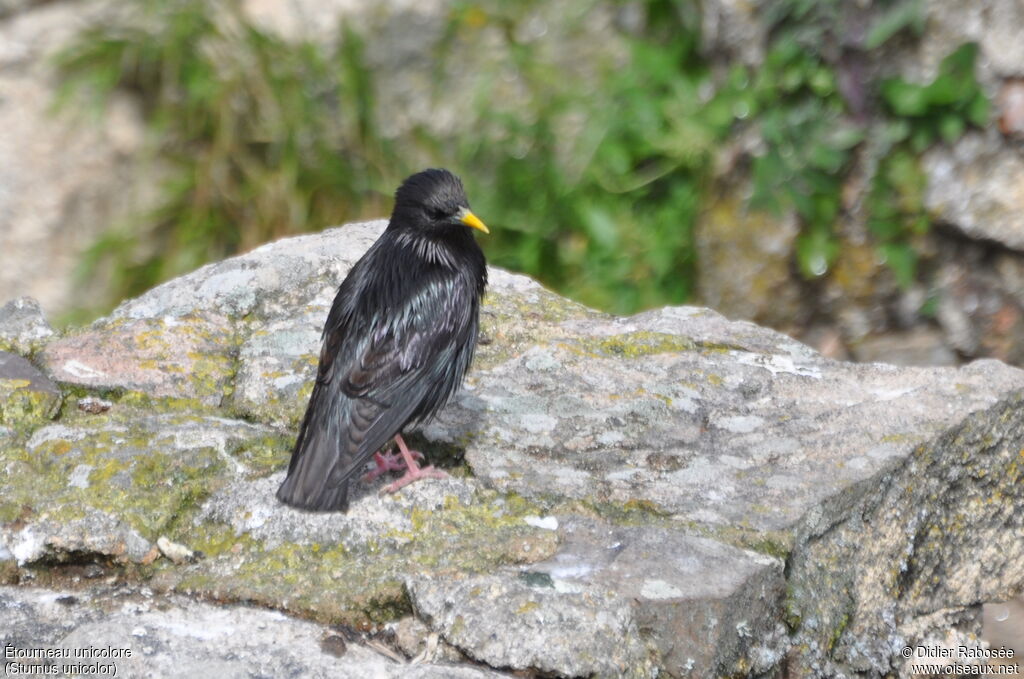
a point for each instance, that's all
(707, 600)
(981, 300)
(744, 262)
(25, 393)
(994, 25)
(134, 634)
(666, 493)
(23, 328)
(977, 185)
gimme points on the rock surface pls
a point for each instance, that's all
(23, 328)
(139, 635)
(63, 177)
(669, 493)
(994, 25)
(981, 304)
(978, 185)
(25, 393)
(743, 265)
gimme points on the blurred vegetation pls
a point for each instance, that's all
(593, 185)
(262, 137)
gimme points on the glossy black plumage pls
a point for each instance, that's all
(397, 342)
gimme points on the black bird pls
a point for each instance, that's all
(397, 342)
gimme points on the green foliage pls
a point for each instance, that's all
(809, 147)
(810, 142)
(943, 108)
(922, 115)
(901, 16)
(811, 138)
(592, 174)
(594, 187)
(895, 208)
(260, 138)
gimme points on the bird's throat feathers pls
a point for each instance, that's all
(449, 251)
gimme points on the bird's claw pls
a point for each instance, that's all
(389, 462)
(411, 475)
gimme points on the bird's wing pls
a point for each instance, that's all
(379, 369)
(406, 366)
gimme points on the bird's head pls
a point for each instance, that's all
(434, 201)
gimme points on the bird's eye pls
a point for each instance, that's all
(436, 213)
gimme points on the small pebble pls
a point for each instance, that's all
(93, 405)
(334, 645)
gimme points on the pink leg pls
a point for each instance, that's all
(413, 472)
(389, 462)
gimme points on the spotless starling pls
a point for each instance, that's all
(397, 342)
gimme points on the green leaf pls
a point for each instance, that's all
(905, 99)
(945, 90)
(951, 126)
(601, 226)
(822, 82)
(884, 224)
(921, 138)
(920, 225)
(844, 137)
(961, 60)
(815, 253)
(767, 170)
(902, 260)
(895, 131)
(956, 82)
(930, 308)
(978, 110)
(903, 15)
(826, 158)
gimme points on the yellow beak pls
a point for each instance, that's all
(472, 221)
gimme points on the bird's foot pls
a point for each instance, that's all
(414, 473)
(389, 462)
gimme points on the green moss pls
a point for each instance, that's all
(280, 406)
(770, 544)
(791, 610)
(634, 512)
(511, 322)
(360, 584)
(264, 455)
(214, 539)
(778, 544)
(9, 574)
(899, 438)
(642, 343)
(633, 345)
(127, 471)
(142, 401)
(21, 406)
(837, 633)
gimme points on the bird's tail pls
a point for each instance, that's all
(309, 484)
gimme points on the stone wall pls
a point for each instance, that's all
(972, 264)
